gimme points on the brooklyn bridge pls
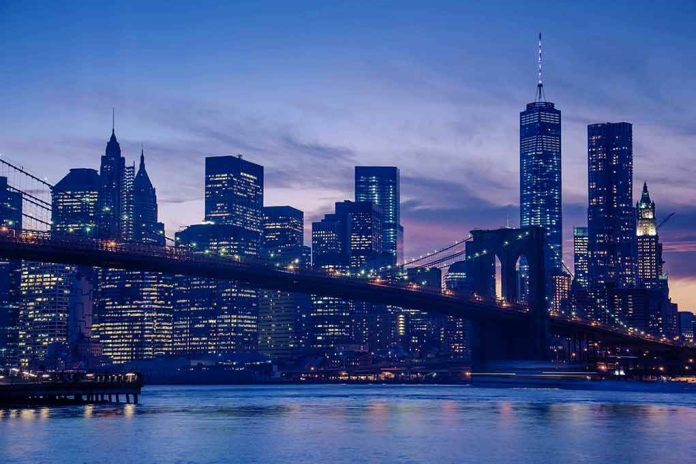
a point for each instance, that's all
(502, 326)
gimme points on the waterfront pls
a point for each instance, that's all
(343, 424)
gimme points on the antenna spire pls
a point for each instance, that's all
(540, 83)
(113, 120)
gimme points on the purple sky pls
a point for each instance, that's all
(310, 89)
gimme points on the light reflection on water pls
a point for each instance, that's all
(338, 424)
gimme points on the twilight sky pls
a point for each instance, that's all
(311, 89)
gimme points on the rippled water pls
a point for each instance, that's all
(355, 424)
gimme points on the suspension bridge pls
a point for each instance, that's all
(503, 328)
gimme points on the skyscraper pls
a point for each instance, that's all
(283, 316)
(215, 315)
(219, 316)
(349, 240)
(146, 229)
(580, 256)
(10, 221)
(111, 205)
(611, 219)
(381, 186)
(74, 212)
(133, 317)
(611, 227)
(234, 192)
(540, 171)
(649, 256)
(74, 205)
(283, 230)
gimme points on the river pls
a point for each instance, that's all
(358, 424)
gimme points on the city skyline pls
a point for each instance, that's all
(328, 140)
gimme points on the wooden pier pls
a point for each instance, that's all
(90, 388)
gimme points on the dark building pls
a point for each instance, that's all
(540, 172)
(380, 185)
(283, 316)
(580, 256)
(133, 310)
(283, 229)
(457, 330)
(211, 315)
(687, 324)
(10, 275)
(114, 200)
(347, 241)
(146, 229)
(74, 203)
(74, 212)
(422, 333)
(216, 316)
(611, 219)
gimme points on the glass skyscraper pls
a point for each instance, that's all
(611, 218)
(580, 256)
(10, 220)
(540, 174)
(234, 192)
(217, 316)
(380, 185)
(74, 206)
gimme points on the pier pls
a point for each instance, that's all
(72, 389)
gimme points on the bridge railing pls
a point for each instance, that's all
(186, 254)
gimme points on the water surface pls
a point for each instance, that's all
(356, 424)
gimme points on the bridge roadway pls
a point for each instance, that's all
(53, 248)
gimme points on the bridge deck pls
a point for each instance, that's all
(47, 247)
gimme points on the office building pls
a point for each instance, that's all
(113, 198)
(10, 272)
(611, 219)
(649, 249)
(540, 172)
(146, 228)
(284, 316)
(380, 185)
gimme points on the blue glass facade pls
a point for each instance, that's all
(380, 185)
(540, 176)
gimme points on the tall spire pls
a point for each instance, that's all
(540, 83)
(113, 149)
(142, 156)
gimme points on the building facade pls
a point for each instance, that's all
(611, 219)
(284, 316)
(649, 249)
(380, 185)
(146, 228)
(540, 174)
(10, 276)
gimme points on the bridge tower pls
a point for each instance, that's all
(506, 341)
